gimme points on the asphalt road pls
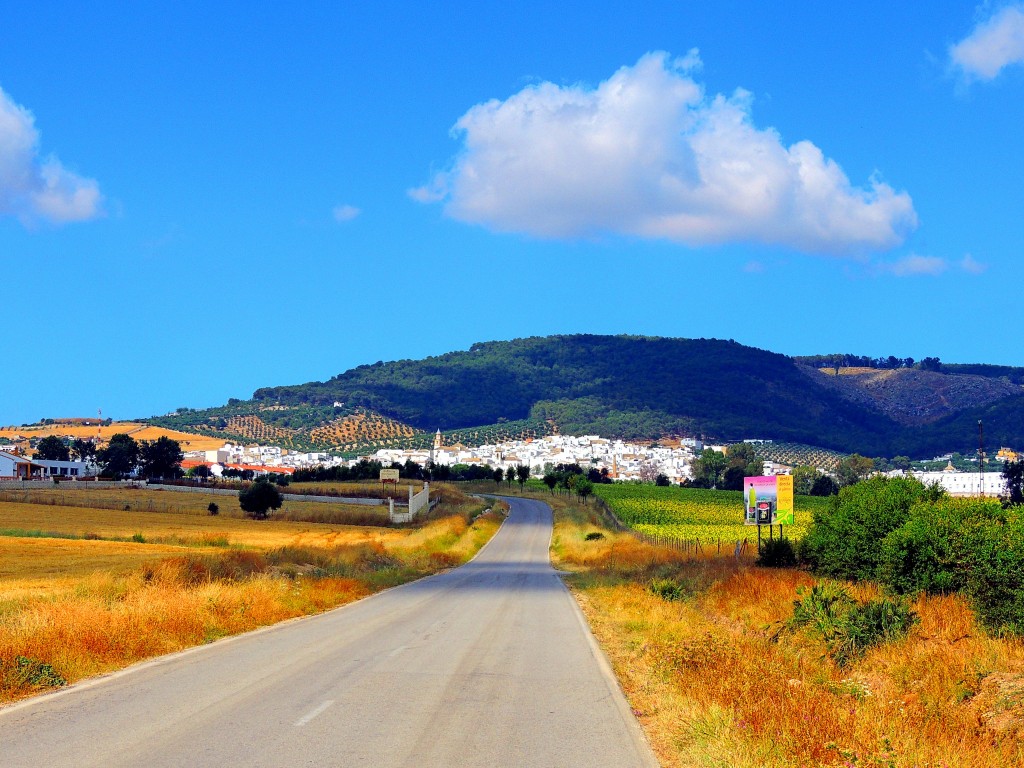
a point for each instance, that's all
(490, 665)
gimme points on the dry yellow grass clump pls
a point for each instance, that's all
(715, 683)
(70, 608)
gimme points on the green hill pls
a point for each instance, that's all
(631, 387)
(627, 386)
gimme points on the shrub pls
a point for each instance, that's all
(969, 545)
(667, 589)
(843, 539)
(777, 553)
(30, 672)
(930, 552)
(213, 508)
(873, 622)
(594, 536)
(849, 628)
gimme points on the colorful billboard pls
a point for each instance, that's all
(768, 500)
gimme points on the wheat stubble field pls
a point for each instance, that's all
(89, 590)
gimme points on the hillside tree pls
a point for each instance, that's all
(83, 449)
(583, 487)
(120, 457)
(1013, 472)
(160, 458)
(803, 479)
(854, 468)
(259, 499)
(53, 448)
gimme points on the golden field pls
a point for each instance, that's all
(71, 608)
(143, 499)
(138, 431)
(712, 687)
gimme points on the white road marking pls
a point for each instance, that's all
(314, 713)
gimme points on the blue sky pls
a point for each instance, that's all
(201, 200)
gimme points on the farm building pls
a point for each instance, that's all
(14, 467)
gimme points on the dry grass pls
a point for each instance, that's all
(74, 608)
(184, 503)
(712, 688)
(182, 528)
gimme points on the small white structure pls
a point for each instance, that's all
(416, 503)
(14, 467)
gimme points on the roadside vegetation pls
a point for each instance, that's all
(729, 664)
(90, 590)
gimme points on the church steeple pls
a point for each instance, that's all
(438, 440)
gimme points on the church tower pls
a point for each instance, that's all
(438, 440)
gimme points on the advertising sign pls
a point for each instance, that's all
(784, 506)
(768, 500)
(389, 476)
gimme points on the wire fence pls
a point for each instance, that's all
(695, 547)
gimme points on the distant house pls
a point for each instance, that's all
(13, 467)
(65, 469)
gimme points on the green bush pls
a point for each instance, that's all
(843, 539)
(931, 551)
(995, 572)
(972, 546)
(847, 627)
(777, 553)
(30, 672)
(667, 589)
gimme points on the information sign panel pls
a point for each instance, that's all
(768, 500)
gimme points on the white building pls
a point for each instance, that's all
(14, 467)
(965, 483)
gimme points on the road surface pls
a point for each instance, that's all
(490, 665)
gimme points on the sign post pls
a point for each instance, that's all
(768, 500)
(388, 476)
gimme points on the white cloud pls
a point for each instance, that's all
(971, 265)
(992, 45)
(343, 213)
(914, 265)
(35, 188)
(647, 154)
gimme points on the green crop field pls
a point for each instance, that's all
(692, 513)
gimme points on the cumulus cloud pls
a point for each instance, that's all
(343, 213)
(993, 44)
(36, 188)
(646, 153)
(914, 265)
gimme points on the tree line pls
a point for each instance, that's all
(861, 361)
(122, 457)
